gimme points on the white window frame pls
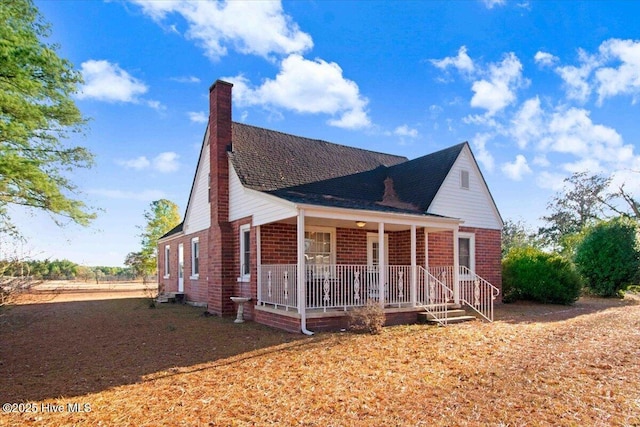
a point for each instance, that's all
(463, 173)
(244, 277)
(195, 274)
(472, 248)
(332, 232)
(372, 238)
(167, 261)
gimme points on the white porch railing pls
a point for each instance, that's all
(342, 286)
(475, 291)
(334, 286)
(278, 285)
(434, 296)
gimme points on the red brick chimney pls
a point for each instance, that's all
(220, 256)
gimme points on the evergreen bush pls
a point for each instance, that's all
(530, 274)
(609, 257)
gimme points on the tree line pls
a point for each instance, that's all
(62, 270)
(589, 242)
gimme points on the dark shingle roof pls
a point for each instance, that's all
(414, 182)
(268, 160)
(175, 230)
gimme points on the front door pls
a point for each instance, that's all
(180, 268)
(373, 263)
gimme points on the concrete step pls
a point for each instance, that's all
(424, 316)
(452, 320)
(453, 315)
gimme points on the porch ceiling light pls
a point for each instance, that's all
(360, 224)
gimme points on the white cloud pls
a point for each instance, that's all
(492, 3)
(576, 80)
(614, 70)
(108, 82)
(462, 62)
(257, 28)
(405, 130)
(145, 195)
(624, 79)
(186, 79)
(545, 59)
(308, 87)
(551, 181)
(138, 163)
(526, 124)
(483, 155)
(198, 116)
(517, 168)
(497, 92)
(542, 161)
(166, 162)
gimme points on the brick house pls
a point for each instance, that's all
(310, 229)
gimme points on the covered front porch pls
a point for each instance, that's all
(325, 262)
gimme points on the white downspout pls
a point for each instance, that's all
(302, 288)
(259, 262)
(382, 265)
(456, 267)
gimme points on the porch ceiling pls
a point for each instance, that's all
(370, 226)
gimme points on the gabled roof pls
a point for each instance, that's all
(407, 187)
(175, 230)
(268, 160)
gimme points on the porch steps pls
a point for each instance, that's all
(453, 316)
(170, 297)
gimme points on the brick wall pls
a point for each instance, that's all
(400, 247)
(278, 242)
(195, 290)
(351, 246)
(488, 254)
(441, 248)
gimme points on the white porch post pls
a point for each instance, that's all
(382, 264)
(456, 267)
(259, 263)
(414, 268)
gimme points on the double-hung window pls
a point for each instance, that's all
(195, 258)
(167, 261)
(466, 251)
(245, 253)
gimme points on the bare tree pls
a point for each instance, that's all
(15, 271)
(582, 202)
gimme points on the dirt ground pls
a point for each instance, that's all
(105, 358)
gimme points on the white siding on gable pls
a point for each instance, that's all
(474, 205)
(245, 202)
(198, 216)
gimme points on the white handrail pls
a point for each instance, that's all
(477, 293)
(434, 296)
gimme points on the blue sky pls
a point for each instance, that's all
(539, 89)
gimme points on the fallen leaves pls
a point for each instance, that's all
(536, 365)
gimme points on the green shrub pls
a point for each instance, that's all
(530, 274)
(609, 257)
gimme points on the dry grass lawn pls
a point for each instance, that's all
(127, 365)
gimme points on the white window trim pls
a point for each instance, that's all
(243, 229)
(472, 248)
(193, 258)
(330, 230)
(167, 261)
